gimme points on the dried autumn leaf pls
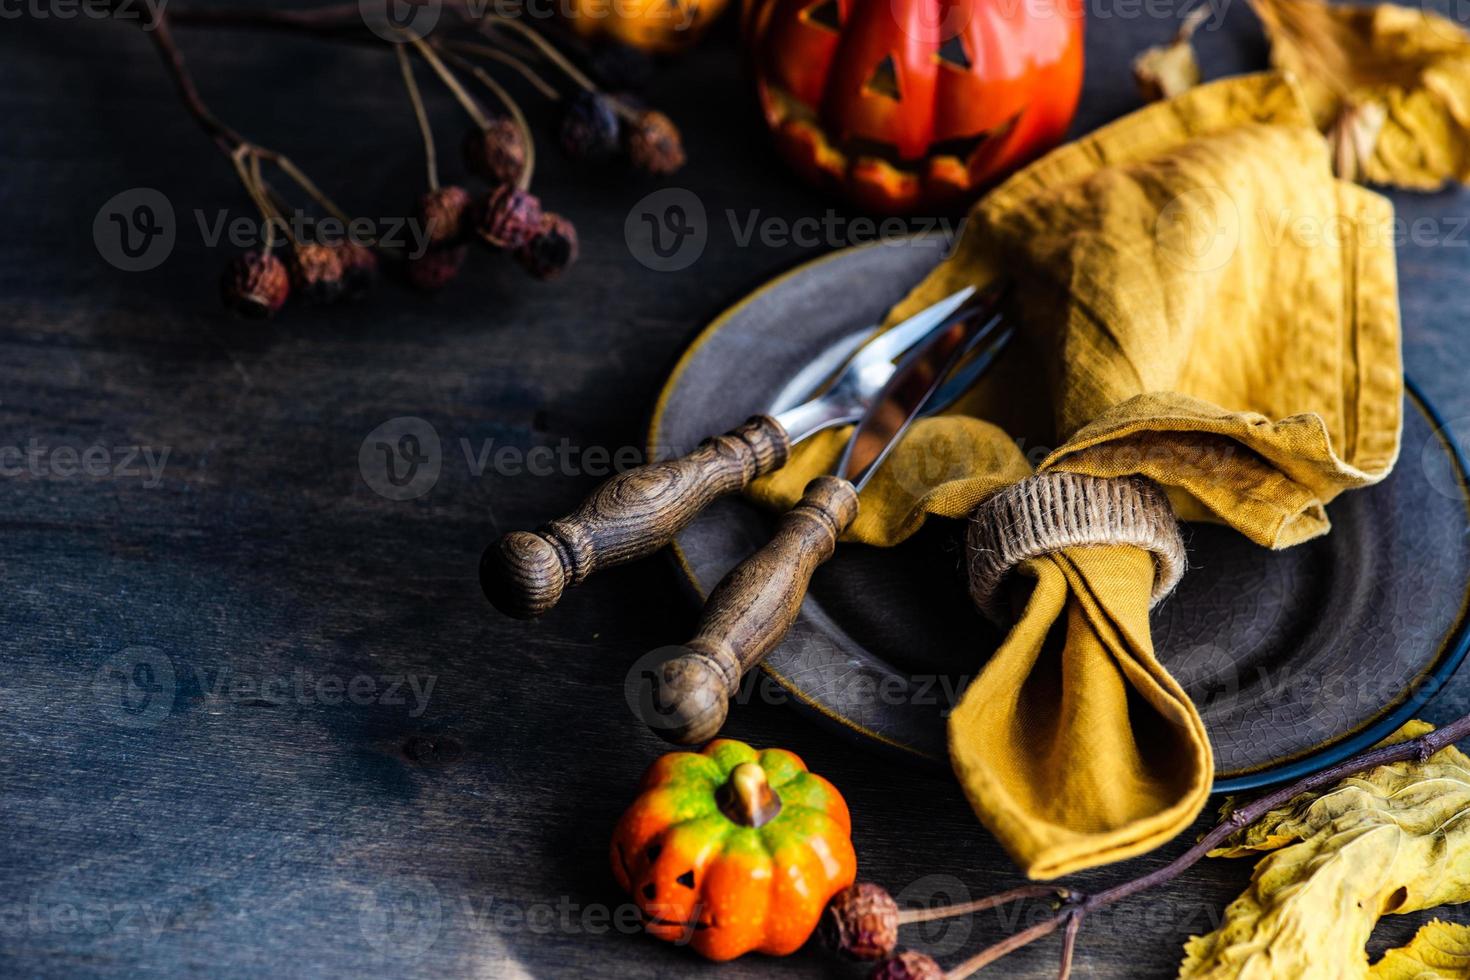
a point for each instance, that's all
(1438, 951)
(1167, 70)
(1412, 65)
(1392, 839)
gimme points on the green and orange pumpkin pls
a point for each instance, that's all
(733, 850)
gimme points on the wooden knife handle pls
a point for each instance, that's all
(748, 613)
(631, 515)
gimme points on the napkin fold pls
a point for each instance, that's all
(1204, 306)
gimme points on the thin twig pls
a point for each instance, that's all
(545, 47)
(505, 58)
(907, 916)
(224, 137)
(1069, 945)
(431, 159)
(464, 98)
(483, 77)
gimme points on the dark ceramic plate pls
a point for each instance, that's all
(1295, 658)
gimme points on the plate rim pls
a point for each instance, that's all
(1453, 647)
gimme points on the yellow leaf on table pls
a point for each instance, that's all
(1411, 66)
(1392, 839)
(1438, 951)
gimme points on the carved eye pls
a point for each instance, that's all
(953, 54)
(884, 80)
(824, 14)
(686, 879)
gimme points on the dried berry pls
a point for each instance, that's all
(256, 285)
(316, 272)
(359, 269)
(861, 921)
(443, 215)
(552, 249)
(497, 154)
(654, 145)
(437, 267)
(589, 127)
(908, 965)
(508, 217)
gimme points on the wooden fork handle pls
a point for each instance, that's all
(748, 614)
(631, 515)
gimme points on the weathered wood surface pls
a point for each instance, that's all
(272, 818)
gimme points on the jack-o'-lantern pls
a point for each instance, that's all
(903, 104)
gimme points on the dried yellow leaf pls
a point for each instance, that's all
(1392, 839)
(1411, 65)
(1167, 70)
(1438, 951)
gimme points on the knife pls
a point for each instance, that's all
(751, 609)
(640, 510)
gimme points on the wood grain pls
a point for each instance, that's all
(749, 612)
(245, 835)
(630, 516)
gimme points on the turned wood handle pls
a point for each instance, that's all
(748, 613)
(631, 515)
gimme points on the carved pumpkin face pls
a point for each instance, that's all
(732, 850)
(902, 104)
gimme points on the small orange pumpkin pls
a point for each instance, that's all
(656, 26)
(732, 850)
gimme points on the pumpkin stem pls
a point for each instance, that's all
(748, 798)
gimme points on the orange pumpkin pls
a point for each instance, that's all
(657, 26)
(902, 104)
(732, 850)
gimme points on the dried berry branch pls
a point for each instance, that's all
(426, 132)
(540, 84)
(1076, 906)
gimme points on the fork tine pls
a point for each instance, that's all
(891, 343)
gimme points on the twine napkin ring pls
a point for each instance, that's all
(1053, 511)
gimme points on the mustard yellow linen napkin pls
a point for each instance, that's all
(1203, 305)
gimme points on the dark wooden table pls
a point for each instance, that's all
(296, 807)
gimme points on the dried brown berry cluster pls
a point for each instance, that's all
(595, 126)
(257, 284)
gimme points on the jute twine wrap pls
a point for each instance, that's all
(1053, 511)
